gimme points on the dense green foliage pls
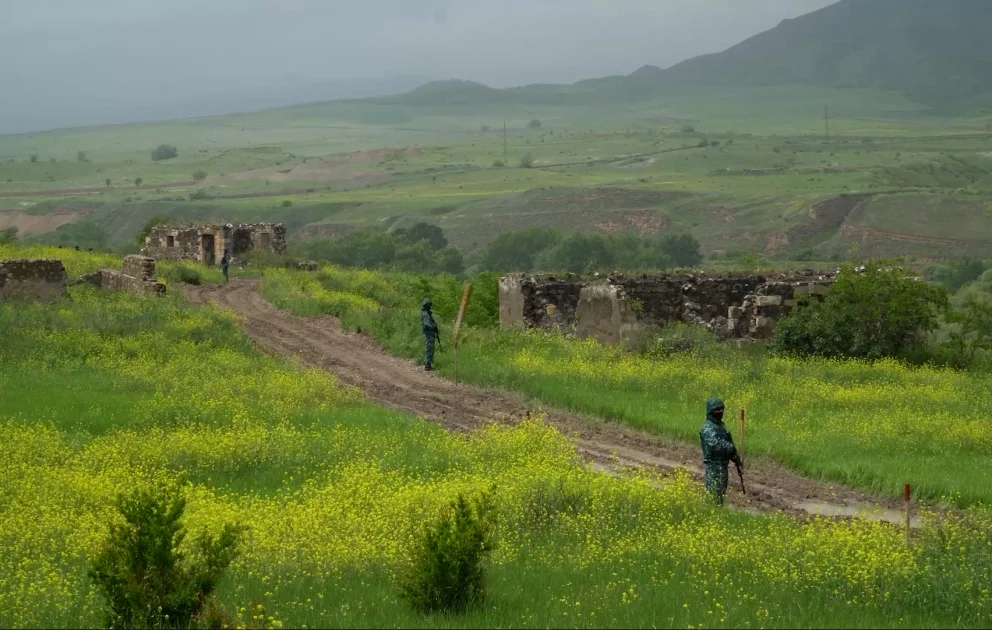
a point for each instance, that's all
(164, 152)
(874, 314)
(542, 249)
(421, 248)
(148, 582)
(447, 570)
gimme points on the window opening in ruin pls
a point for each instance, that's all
(266, 239)
(170, 241)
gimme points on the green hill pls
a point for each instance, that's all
(937, 53)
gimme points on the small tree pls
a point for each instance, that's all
(527, 161)
(147, 581)
(286, 203)
(485, 128)
(81, 156)
(199, 175)
(534, 124)
(687, 129)
(137, 181)
(107, 182)
(871, 315)
(164, 152)
(8, 236)
(34, 159)
(447, 572)
(146, 229)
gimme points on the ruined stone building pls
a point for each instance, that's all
(38, 280)
(206, 243)
(612, 309)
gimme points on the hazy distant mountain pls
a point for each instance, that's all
(938, 52)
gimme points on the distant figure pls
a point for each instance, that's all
(225, 262)
(77, 248)
(718, 450)
(429, 326)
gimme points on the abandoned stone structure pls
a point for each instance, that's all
(137, 276)
(206, 243)
(39, 280)
(611, 309)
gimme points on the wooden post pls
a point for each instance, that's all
(905, 492)
(458, 324)
(741, 449)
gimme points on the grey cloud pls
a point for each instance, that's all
(71, 62)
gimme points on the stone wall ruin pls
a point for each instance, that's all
(40, 280)
(138, 276)
(611, 309)
(206, 243)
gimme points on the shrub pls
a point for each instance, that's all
(687, 129)
(199, 175)
(8, 236)
(286, 203)
(498, 164)
(81, 156)
(870, 315)
(34, 159)
(147, 581)
(448, 568)
(527, 161)
(164, 152)
(107, 182)
(138, 181)
(534, 124)
(183, 274)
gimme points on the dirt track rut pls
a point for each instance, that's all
(402, 385)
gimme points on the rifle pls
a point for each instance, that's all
(437, 338)
(740, 474)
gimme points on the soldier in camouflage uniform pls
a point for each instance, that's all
(718, 450)
(429, 326)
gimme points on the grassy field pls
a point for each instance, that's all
(391, 162)
(872, 426)
(107, 393)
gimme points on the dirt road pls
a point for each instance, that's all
(403, 385)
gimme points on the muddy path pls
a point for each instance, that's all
(403, 385)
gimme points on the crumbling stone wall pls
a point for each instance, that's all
(138, 276)
(542, 302)
(40, 280)
(207, 243)
(611, 309)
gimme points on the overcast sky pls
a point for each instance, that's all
(72, 62)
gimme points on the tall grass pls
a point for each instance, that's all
(111, 392)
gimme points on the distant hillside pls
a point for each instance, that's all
(938, 52)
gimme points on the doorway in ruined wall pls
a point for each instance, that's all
(242, 241)
(207, 254)
(265, 240)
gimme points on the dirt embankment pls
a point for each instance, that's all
(358, 361)
(27, 224)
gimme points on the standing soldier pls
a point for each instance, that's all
(718, 450)
(429, 326)
(225, 262)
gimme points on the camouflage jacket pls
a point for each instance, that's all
(427, 323)
(718, 444)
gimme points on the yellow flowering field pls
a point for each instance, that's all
(874, 426)
(107, 393)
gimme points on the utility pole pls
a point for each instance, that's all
(504, 142)
(826, 119)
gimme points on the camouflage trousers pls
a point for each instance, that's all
(716, 482)
(428, 350)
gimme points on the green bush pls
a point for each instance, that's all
(199, 175)
(448, 568)
(873, 314)
(8, 236)
(164, 152)
(527, 161)
(141, 572)
(184, 274)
